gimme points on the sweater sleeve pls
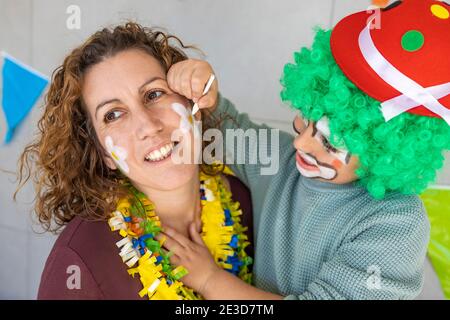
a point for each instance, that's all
(382, 257)
(66, 277)
(254, 152)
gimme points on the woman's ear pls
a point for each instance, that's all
(109, 162)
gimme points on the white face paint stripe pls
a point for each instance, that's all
(185, 115)
(188, 123)
(324, 172)
(397, 79)
(118, 154)
(323, 128)
(395, 106)
(323, 125)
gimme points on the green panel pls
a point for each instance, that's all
(437, 203)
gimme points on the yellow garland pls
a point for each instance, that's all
(215, 234)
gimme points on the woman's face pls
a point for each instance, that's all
(315, 156)
(134, 114)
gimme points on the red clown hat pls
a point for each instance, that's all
(399, 55)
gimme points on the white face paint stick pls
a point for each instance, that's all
(195, 108)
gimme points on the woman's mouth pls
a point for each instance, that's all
(304, 164)
(161, 153)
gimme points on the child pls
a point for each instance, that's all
(341, 219)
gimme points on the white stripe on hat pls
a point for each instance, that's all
(413, 94)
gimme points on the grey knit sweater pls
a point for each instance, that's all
(317, 240)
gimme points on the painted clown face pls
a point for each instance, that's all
(135, 116)
(316, 158)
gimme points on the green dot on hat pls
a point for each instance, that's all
(412, 40)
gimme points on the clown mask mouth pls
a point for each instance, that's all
(310, 167)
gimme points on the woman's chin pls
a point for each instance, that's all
(165, 175)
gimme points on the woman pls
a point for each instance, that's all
(105, 156)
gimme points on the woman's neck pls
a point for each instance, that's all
(179, 207)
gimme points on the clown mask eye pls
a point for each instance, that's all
(327, 144)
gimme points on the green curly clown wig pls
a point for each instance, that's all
(400, 155)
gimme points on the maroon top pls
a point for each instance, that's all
(91, 246)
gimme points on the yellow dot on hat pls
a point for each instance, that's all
(440, 11)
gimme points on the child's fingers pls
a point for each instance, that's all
(200, 78)
(195, 235)
(190, 77)
(185, 83)
(180, 238)
(210, 99)
(207, 100)
(171, 244)
(175, 260)
(173, 75)
(177, 79)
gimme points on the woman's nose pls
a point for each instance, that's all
(147, 125)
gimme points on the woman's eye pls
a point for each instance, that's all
(111, 116)
(153, 95)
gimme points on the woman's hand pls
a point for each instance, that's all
(189, 78)
(191, 254)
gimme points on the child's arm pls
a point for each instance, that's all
(382, 257)
(204, 276)
(270, 147)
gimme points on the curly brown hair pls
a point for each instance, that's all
(66, 160)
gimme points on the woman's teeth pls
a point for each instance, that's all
(160, 154)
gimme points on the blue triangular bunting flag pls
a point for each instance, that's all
(22, 87)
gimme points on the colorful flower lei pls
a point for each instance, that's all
(222, 232)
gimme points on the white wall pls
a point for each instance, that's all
(247, 41)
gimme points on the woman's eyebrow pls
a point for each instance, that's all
(141, 88)
(104, 103)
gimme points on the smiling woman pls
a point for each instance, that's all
(103, 157)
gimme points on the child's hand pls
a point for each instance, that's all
(189, 78)
(191, 254)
